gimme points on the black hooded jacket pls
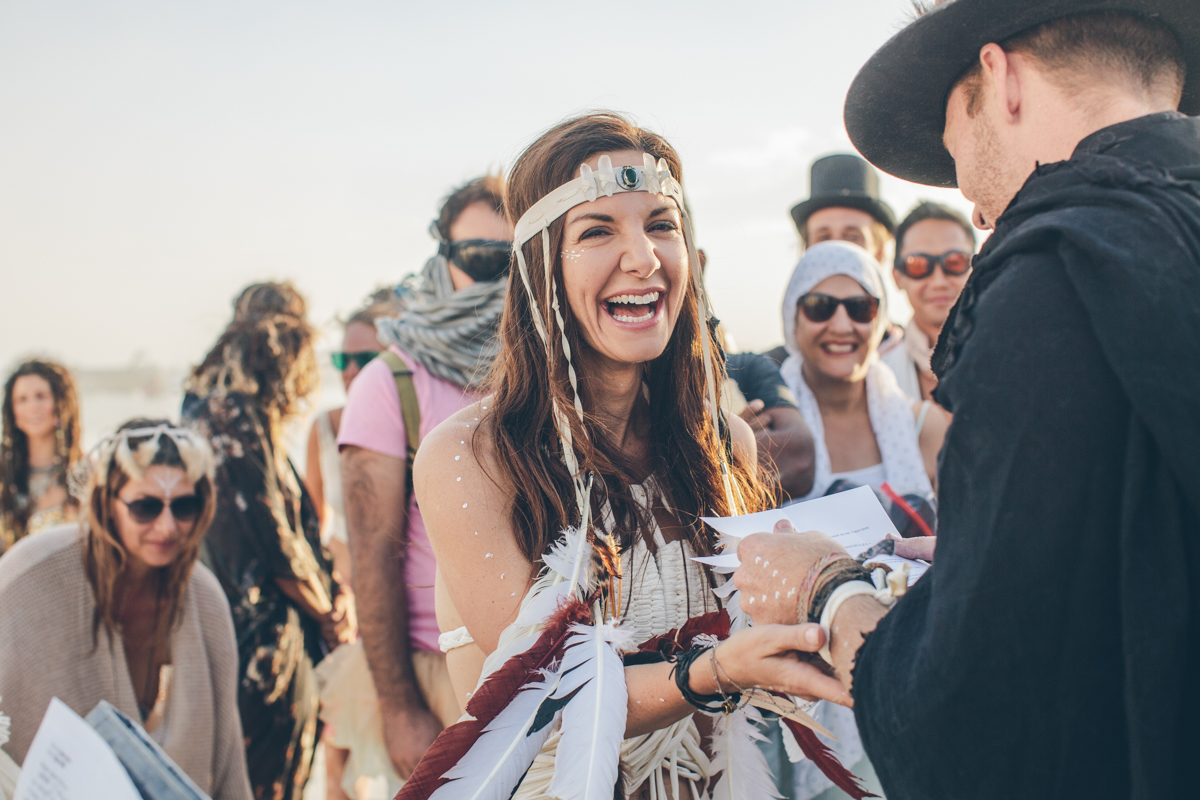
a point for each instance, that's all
(1054, 648)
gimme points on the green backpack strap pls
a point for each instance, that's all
(409, 409)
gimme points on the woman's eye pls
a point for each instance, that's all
(664, 225)
(592, 233)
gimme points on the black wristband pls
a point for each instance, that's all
(708, 703)
(845, 574)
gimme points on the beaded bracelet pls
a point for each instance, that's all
(708, 703)
(810, 582)
(830, 579)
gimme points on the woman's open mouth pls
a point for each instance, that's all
(634, 309)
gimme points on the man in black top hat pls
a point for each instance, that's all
(844, 204)
(1052, 650)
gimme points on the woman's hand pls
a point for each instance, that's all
(777, 658)
(773, 567)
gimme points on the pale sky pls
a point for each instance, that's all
(156, 157)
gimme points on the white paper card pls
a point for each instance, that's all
(69, 761)
(854, 519)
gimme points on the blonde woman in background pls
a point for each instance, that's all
(265, 544)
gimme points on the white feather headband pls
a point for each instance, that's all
(134, 459)
(607, 180)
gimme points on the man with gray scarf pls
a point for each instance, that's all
(439, 352)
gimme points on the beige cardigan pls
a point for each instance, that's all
(46, 651)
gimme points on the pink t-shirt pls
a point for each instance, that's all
(372, 420)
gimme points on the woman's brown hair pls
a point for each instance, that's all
(683, 450)
(105, 557)
(265, 352)
(14, 446)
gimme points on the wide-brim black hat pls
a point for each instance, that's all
(843, 181)
(896, 107)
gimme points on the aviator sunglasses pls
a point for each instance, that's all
(919, 266)
(822, 307)
(482, 259)
(145, 510)
(342, 361)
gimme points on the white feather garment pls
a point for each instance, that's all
(588, 758)
(745, 774)
(494, 765)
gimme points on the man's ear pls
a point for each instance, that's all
(1001, 80)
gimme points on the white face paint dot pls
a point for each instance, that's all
(514, 594)
(501, 576)
(773, 574)
(476, 533)
(464, 505)
(785, 581)
(485, 408)
(751, 602)
(459, 479)
(764, 598)
(462, 441)
(757, 559)
(766, 564)
(489, 555)
(456, 458)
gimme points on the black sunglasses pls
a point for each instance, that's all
(342, 361)
(483, 259)
(822, 307)
(919, 266)
(145, 510)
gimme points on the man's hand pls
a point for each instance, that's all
(773, 567)
(408, 733)
(917, 547)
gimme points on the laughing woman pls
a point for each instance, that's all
(602, 411)
(117, 609)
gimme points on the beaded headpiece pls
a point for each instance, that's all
(607, 180)
(134, 457)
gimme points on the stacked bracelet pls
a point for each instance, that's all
(720, 703)
(833, 576)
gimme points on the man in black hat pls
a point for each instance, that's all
(844, 204)
(1052, 650)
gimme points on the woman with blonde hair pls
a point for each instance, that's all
(265, 543)
(116, 608)
(39, 444)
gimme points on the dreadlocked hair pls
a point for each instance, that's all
(266, 352)
(15, 507)
(684, 457)
(105, 557)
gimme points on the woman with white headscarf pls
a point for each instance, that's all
(866, 431)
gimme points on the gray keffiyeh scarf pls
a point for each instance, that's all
(452, 334)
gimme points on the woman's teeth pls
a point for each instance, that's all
(839, 349)
(622, 306)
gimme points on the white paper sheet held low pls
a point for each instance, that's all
(854, 519)
(69, 761)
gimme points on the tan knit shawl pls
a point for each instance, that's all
(46, 651)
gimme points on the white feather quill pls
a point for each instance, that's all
(588, 757)
(502, 754)
(745, 774)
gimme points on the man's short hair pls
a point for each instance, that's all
(1121, 47)
(930, 210)
(488, 189)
